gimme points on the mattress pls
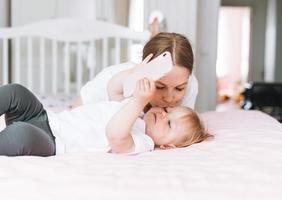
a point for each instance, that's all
(243, 161)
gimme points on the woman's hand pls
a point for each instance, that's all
(144, 90)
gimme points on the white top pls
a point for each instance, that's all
(96, 89)
(84, 129)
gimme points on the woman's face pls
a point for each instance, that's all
(171, 88)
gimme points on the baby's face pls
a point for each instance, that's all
(163, 126)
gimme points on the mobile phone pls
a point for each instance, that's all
(155, 69)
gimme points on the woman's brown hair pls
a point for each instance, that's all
(177, 44)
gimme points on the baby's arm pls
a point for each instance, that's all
(119, 128)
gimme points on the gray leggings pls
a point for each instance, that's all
(27, 131)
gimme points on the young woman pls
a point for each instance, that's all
(28, 130)
(179, 87)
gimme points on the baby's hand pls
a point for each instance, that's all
(144, 90)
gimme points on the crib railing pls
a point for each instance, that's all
(58, 56)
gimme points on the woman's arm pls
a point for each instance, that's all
(119, 128)
(91, 89)
(95, 90)
(115, 85)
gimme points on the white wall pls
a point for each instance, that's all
(75, 8)
(95, 9)
(4, 13)
(27, 11)
(270, 41)
(4, 22)
(206, 53)
(278, 63)
(258, 38)
(181, 16)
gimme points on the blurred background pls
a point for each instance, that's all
(234, 41)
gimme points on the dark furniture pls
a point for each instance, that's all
(263, 96)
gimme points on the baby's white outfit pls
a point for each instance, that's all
(83, 129)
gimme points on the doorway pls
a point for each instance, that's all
(233, 54)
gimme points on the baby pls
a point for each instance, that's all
(108, 126)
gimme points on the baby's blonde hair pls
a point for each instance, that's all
(195, 131)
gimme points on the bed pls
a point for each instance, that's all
(243, 161)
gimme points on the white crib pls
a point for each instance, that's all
(59, 55)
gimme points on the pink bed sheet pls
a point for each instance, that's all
(243, 161)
